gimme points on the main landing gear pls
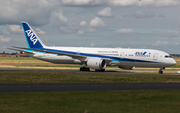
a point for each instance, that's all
(160, 70)
(84, 69)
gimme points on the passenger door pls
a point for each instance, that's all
(122, 55)
(155, 56)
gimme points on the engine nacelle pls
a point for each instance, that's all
(127, 67)
(96, 63)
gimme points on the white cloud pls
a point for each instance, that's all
(2, 39)
(105, 12)
(80, 32)
(82, 2)
(92, 44)
(138, 3)
(15, 29)
(39, 12)
(159, 43)
(174, 32)
(125, 31)
(140, 14)
(158, 31)
(97, 22)
(123, 2)
(18, 29)
(147, 3)
(35, 12)
(143, 3)
(60, 16)
(92, 29)
(40, 32)
(83, 23)
(159, 3)
(176, 43)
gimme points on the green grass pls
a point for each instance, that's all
(175, 66)
(29, 62)
(161, 101)
(156, 101)
(83, 77)
(17, 58)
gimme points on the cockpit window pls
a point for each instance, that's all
(167, 56)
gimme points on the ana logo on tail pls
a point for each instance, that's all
(32, 36)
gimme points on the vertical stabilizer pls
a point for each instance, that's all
(32, 39)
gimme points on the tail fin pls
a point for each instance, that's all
(32, 39)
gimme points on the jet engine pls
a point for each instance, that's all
(127, 67)
(96, 63)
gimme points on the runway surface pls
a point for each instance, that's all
(77, 71)
(5, 88)
(56, 87)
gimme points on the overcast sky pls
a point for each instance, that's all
(148, 24)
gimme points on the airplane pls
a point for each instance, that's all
(94, 58)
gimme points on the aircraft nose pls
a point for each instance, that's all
(173, 62)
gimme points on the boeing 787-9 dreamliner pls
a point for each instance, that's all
(94, 58)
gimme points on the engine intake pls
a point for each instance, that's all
(96, 63)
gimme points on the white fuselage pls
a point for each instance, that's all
(94, 58)
(118, 56)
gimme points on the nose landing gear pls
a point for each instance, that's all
(160, 70)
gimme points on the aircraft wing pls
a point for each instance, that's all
(75, 56)
(21, 50)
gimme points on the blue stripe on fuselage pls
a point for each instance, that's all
(94, 55)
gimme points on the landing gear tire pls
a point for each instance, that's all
(102, 70)
(160, 72)
(84, 69)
